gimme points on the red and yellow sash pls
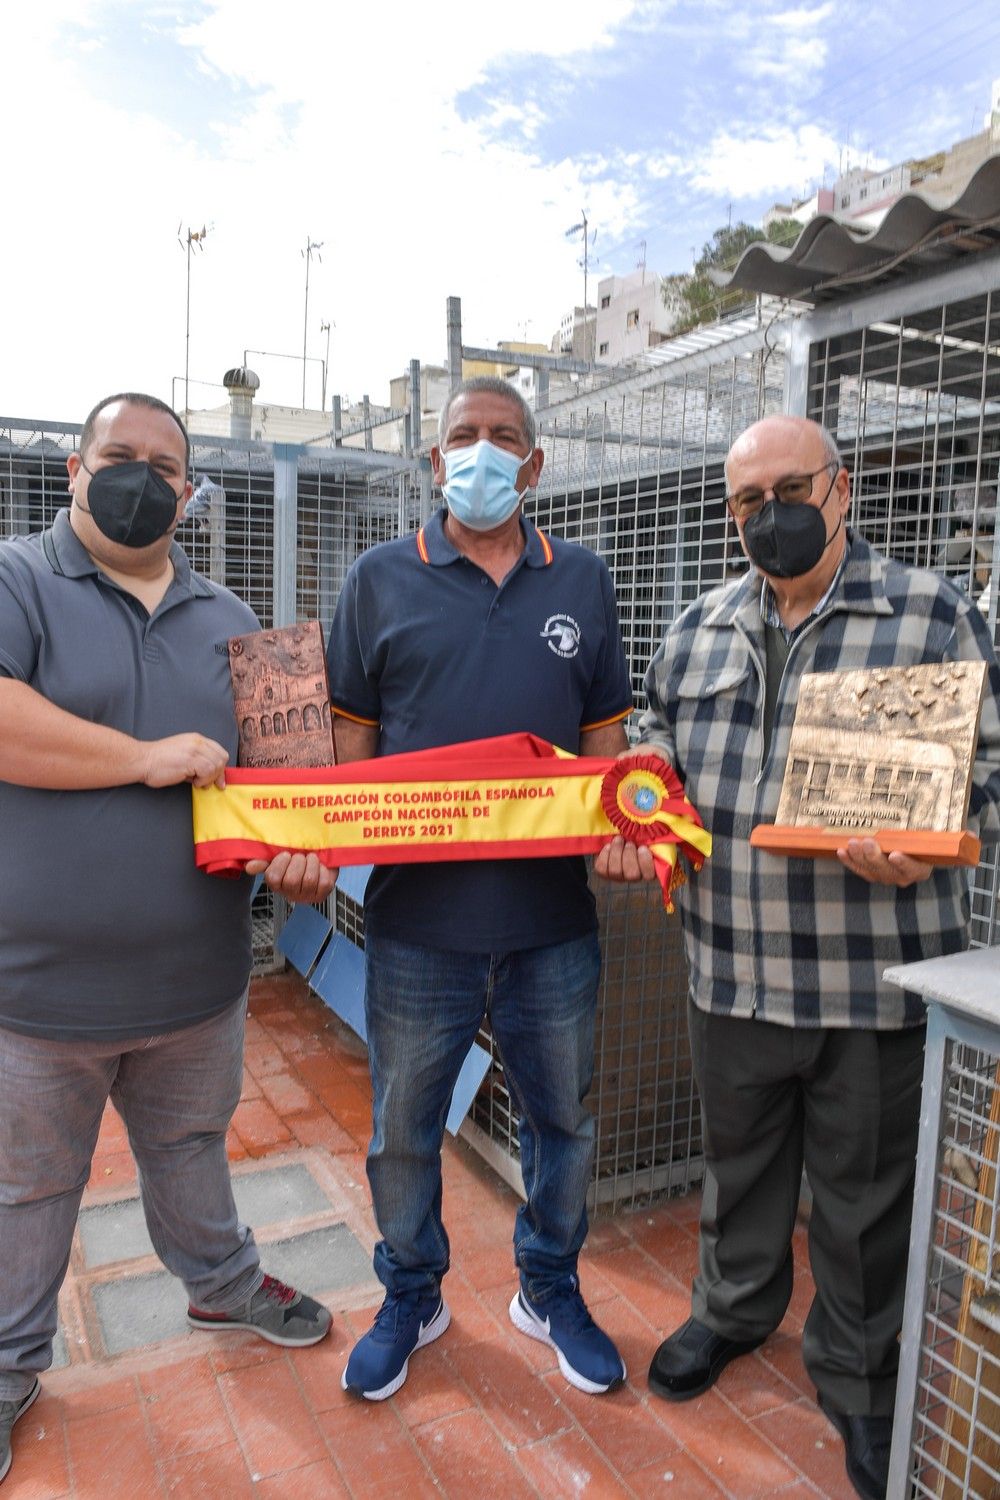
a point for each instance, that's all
(514, 796)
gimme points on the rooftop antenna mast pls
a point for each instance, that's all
(313, 247)
(193, 239)
(576, 229)
(324, 327)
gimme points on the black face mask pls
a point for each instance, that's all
(787, 541)
(131, 504)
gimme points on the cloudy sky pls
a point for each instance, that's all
(432, 148)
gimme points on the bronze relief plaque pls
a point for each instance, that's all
(281, 697)
(884, 753)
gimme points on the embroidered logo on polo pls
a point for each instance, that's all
(562, 635)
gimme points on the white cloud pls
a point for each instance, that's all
(748, 165)
(352, 137)
(785, 47)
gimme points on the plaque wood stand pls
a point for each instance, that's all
(809, 843)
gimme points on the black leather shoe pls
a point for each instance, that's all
(867, 1442)
(692, 1359)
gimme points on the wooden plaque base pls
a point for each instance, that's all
(808, 843)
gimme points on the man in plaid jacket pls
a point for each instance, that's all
(802, 1053)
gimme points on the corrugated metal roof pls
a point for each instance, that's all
(831, 258)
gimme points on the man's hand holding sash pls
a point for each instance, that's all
(515, 796)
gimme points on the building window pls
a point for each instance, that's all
(602, 348)
(864, 192)
(632, 319)
(845, 200)
(606, 301)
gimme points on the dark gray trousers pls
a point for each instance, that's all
(846, 1105)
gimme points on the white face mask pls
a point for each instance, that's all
(479, 484)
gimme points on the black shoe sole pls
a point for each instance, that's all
(660, 1389)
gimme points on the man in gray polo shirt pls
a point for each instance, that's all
(123, 970)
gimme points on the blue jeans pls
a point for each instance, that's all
(176, 1094)
(424, 1007)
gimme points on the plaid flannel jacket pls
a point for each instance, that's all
(802, 942)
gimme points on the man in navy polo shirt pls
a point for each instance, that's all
(123, 970)
(480, 625)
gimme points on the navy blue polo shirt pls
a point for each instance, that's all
(107, 929)
(426, 646)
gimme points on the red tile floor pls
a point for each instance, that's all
(484, 1412)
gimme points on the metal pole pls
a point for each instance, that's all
(416, 426)
(454, 316)
(326, 362)
(305, 324)
(187, 329)
(586, 341)
(311, 245)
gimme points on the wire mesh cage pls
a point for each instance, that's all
(946, 1441)
(956, 1441)
(643, 1099)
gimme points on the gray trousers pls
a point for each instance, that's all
(176, 1094)
(846, 1105)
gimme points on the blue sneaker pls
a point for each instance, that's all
(405, 1322)
(587, 1357)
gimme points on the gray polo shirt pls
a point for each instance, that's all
(106, 927)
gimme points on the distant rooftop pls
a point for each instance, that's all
(921, 232)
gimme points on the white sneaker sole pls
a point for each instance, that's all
(435, 1328)
(525, 1322)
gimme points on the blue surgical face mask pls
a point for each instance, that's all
(479, 484)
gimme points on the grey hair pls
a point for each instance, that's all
(830, 450)
(493, 385)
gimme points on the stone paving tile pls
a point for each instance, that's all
(258, 1127)
(522, 1408)
(676, 1477)
(112, 1456)
(623, 1425)
(484, 1412)
(570, 1465)
(185, 1410)
(467, 1458)
(210, 1476)
(318, 1481)
(729, 1449)
(272, 1421)
(375, 1453)
(286, 1095)
(802, 1432)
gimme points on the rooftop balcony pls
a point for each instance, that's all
(140, 1405)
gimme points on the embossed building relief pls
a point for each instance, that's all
(281, 697)
(884, 748)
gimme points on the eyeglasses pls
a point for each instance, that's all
(794, 490)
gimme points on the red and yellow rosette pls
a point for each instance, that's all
(644, 800)
(515, 796)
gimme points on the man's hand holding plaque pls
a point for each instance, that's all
(880, 764)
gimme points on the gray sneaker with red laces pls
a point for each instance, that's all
(276, 1312)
